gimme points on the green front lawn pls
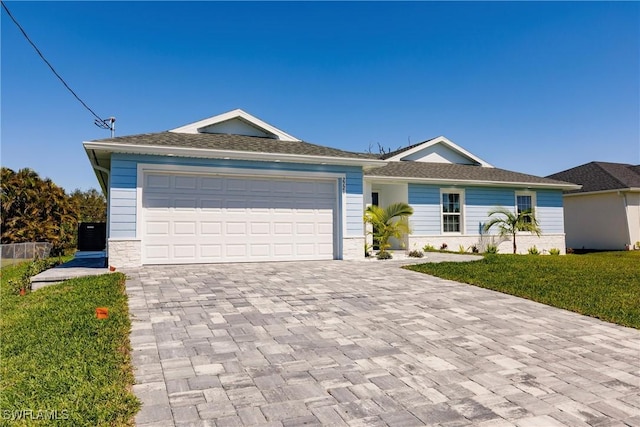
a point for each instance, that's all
(605, 285)
(58, 361)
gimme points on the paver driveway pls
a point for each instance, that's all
(367, 344)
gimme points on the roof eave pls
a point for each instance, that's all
(475, 183)
(596, 192)
(230, 154)
(102, 175)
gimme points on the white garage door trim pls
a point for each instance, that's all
(336, 178)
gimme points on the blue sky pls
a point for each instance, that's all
(535, 87)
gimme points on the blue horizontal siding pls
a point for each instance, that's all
(479, 201)
(124, 169)
(550, 211)
(354, 202)
(425, 200)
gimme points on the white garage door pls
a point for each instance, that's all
(203, 219)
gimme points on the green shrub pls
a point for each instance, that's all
(554, 251)
(461, 249)
(34, 267)
(428, 248)
(416, 254)
(491, 249)
(384, 255)
(533, 250)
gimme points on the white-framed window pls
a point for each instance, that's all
(525, 202)
(452, 203)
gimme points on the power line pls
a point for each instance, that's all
(104, 124)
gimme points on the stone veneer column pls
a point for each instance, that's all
(125, 253)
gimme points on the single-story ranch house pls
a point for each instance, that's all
(232, 188)
(605, 213)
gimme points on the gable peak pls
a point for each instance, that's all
(235, 122)
(436, 150)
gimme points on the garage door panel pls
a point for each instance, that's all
(283, 228)
(186, 182)
(184, 203)
(211, 183)
(326, 188)
(236, 185)
(198, 219)
(260, 228)
(325, 248)
(210, 250)
(185, 252)
(283, 249)
(184, 228)
(325, 228)
(282, 188)
(305, 249)
(236, 250)
(157, 228)
(209, 228)
(260, 249)
(155, 181)
(236, 228)
(158, 252)
(307, 228)
(154, 202)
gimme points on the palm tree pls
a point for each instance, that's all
(392, 221)
(510, 223)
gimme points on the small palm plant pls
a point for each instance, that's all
(392, 221)
(510, 223)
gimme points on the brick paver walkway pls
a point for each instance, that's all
(367, 344)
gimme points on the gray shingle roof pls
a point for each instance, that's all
(601, 176)
(233, 143)
(447, 171)
(403, 149)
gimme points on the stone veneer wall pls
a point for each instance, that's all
(353, 248)
(125, 253)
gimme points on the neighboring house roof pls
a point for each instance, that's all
(601, 176)
(456, 174)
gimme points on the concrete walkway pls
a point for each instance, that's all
(367, 344)
(83, 264)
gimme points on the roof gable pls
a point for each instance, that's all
(601, 176)
(235, 122)
(436, 150)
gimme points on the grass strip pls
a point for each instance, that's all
(604, 285)
(60, 363)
